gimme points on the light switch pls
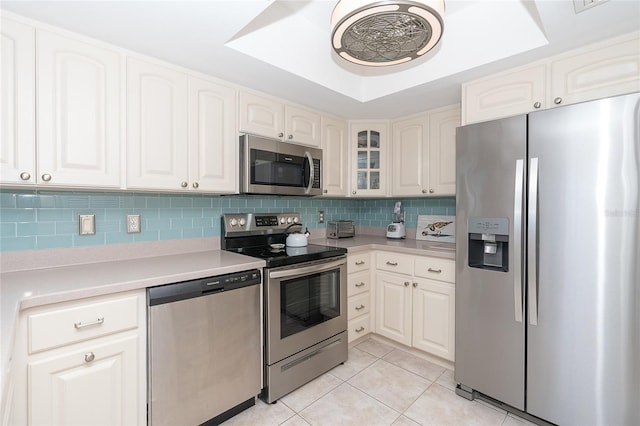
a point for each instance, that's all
(87, 223)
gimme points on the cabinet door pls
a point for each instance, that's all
(261, 116)
(393, 307)
(213, 146)
(511, 93)
(92, 386)
(78, 113)
(410, 156)
(609, 70)
(17, 150)
(157, 146)
(434, 317)
(442, 151)
(369, 159)
(335, 157)
(302, 126)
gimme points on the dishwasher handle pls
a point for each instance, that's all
(202, 287)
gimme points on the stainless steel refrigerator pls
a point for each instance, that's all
(548, 262)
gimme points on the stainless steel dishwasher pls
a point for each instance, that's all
(205, 359)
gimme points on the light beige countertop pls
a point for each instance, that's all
(25, 289)
(408, 246)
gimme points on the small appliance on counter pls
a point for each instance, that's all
(396, 228)
(340, 229)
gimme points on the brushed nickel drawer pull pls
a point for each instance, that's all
(437, 271)
(359, 307)
(78, 325)
(392, 263)
(360, 329)
(360, 262)
(360, 284)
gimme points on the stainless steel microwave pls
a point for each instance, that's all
(269, 166)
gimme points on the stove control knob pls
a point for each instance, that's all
(295, 220)
(243, 222)
(234, 222)
(282, 220)
(289, 220)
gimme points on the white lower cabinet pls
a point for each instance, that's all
(360, 296)
(85, 362)
(415, 302)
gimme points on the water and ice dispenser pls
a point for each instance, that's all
(489, 243)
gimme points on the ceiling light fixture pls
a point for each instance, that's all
(385, 32)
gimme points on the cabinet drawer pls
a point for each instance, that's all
(435, 269)
(77, 322)
(359, 327)
(358, 262)
(359, 305)
(394, 262)
(358, 283)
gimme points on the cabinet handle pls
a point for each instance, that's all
(78, 325)
(360, 307)
(406, 283)
(360, 284)
(326, 191)
(290, 137)
(280, 134)
(436, 271)
(184, 184)
(557, 100)
(354, 192)
(89, 356)
(431, 191)
(195, 185)
(415, 285)
(392, 263)
(25, 176)
(424, 191)
(46, 177)
(360, 262)
(360, 329)
(537, 105)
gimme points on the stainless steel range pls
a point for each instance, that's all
(305, 300)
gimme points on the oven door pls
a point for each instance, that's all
(306, 304)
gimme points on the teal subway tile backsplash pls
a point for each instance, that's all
(46, 219)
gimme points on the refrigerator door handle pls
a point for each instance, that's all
(532, 242)
(517, 240)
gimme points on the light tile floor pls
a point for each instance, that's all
(378, 385)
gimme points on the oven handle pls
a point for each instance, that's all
(311, 172)
(294, 272)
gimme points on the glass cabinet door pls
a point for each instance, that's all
(369, 161)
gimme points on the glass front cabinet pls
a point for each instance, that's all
(369, 148)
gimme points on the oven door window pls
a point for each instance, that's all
(308, 301)
(270, 168)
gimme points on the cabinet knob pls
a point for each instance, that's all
(89, 356)
(326, 191)
(406, 283)
(195, 185)
(25, 176)
(290, 137)
(415, 285)
(184, 184)
(424, 191)
(46, 177)
(280, 134)
(537, 105)
(557, 101)
(354, 192)
(431, 191)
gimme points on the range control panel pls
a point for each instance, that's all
(258, 223)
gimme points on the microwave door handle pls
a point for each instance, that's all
(311, 172)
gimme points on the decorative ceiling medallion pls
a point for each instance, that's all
(386, 32)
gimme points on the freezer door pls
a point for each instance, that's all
(583, 347)
(489, 327)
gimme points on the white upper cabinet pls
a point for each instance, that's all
(17, 150)
(424, 153)
(369, 151)
(599, 70)
(335, 157)
(213, 145)
(269, 117)
(157, 135)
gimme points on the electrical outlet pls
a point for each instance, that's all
(133, 223)
(320, 216)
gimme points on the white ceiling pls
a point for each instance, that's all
(283, 47)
